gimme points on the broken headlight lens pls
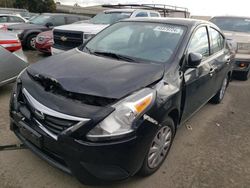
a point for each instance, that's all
(127, 111)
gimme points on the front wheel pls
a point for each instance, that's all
(159, 148)
(31, 42)
(221, 93)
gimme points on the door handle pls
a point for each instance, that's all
(212, 71)
(228, 61)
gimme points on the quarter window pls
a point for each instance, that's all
(199, 43)
(142, 14)
(217, 40)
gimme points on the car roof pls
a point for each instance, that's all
(120, 10)
(243, 17)
(127, 10)
(61, 14)
(180, 21)
(9, 15)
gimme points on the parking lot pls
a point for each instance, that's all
(211, 150)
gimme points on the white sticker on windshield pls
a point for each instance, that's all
(168, 29)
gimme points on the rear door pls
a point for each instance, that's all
(220, 63)
(198, 82)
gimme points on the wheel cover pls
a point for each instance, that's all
(159, 147)
(33, 42)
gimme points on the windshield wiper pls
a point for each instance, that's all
(113, 55)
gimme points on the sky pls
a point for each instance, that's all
(196, 7)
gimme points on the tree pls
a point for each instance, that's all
(6, 3)
(36, 5)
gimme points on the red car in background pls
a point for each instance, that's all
(44, 41)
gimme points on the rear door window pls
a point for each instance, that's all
(217, 40)
(153, 14)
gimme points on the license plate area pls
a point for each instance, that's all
(31, 135)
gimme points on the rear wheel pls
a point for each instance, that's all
(31, 42)
(159, 148)
(221, 93)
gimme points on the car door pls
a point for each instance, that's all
(220, 63)
(198, 80)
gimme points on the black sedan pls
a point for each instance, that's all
(27, 32)
(110, 108)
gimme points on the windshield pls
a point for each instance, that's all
(40, 20)
(137, 41)
(109, 17)
(233, 24)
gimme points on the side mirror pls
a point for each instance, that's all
(49, 24)
(194, 60)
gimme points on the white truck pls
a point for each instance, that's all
(70, 36)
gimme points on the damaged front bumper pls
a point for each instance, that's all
(89, 162)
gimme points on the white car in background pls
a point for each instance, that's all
(67, 37)
(10, 19)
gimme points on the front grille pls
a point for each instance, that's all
(54, 124)
(67, 39)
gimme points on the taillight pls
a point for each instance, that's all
(3, 27)
(11, 45)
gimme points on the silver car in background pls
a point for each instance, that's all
(237, 30)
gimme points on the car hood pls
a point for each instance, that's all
(84, 27)
(83, 73)
(25, 26)
(238, 37)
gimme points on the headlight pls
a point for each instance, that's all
(88, 36)
(120, 122)
(41, 38)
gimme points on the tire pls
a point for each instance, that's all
(245, 76)
(221, 93)
(151, 164)
(30, 42)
